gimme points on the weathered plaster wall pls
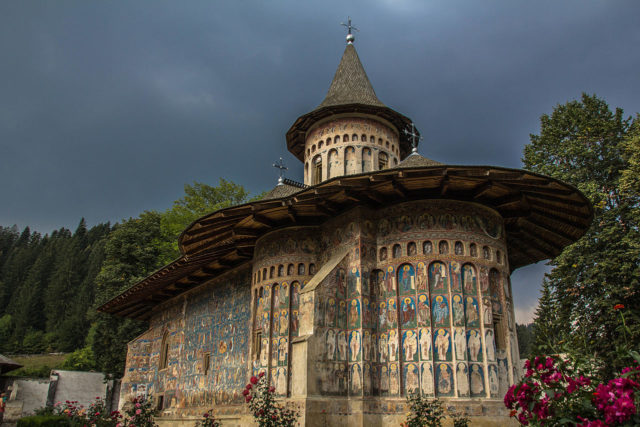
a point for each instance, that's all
(211, 323)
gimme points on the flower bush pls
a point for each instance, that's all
(261, 399)
(554, 393)
(429, 412)
(140, 414)
(208, 420)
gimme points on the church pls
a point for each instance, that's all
(384, 274)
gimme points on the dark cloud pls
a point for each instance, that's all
(109, 108)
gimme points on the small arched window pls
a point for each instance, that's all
(397, 251)
(345, 138)
(328, 141)
(499, 257)
(317, 170)
(427, 247)
(290, 270)
(386, 144)
(383, 254)
(411, 249)
(354, 137)
(473, 250)
(272, 272)
(312, 269)
(320, 145)
(383, 161)
(313, 148)
(164, 351)
(280, 270)
(258, 274)
(379, 141)
(363, 138)
(336, 139)
(459, 248)
(372, 139)
(443, 247)
(301, 269)
(486, 252)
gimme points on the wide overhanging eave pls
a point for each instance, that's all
(541, 216)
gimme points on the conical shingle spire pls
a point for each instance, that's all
(350, 84)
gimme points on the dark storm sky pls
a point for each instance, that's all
(109, 108)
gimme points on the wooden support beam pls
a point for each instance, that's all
(260, 219)
(399, 188)
(482, 189)
(444, 185)
(291, 213)
(227, 234)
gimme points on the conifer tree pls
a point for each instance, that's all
(544, 336)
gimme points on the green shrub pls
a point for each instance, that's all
(44, 421)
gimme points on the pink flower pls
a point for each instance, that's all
(254, 380)
(249, 386)
(248, 398)
(261, 374)
(245, 392)
(138, 405)
(138, 411)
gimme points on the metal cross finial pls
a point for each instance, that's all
(350, 36)
(415, 138)
(280, 165)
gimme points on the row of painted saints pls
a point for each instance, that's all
(416, 345)
(428, 378)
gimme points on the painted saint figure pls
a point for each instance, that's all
(426, 380)
(406, 279)
(474, 345)
(460, 344)
(477, 381)
(458, 311)
(425, 343)
(463, 379)
(409, 345)
(424, 317)
(440, 311)
(454, 268)
(442, 344)
(421, 276)
(408, 312)
(411, 378)
(444, 379)
(354, 345)
(473, 319)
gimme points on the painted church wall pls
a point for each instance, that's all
(209, 326)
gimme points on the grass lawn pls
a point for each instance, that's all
(36, 365)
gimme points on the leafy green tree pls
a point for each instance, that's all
(586, 144)
(199, 199)
(131, 253)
